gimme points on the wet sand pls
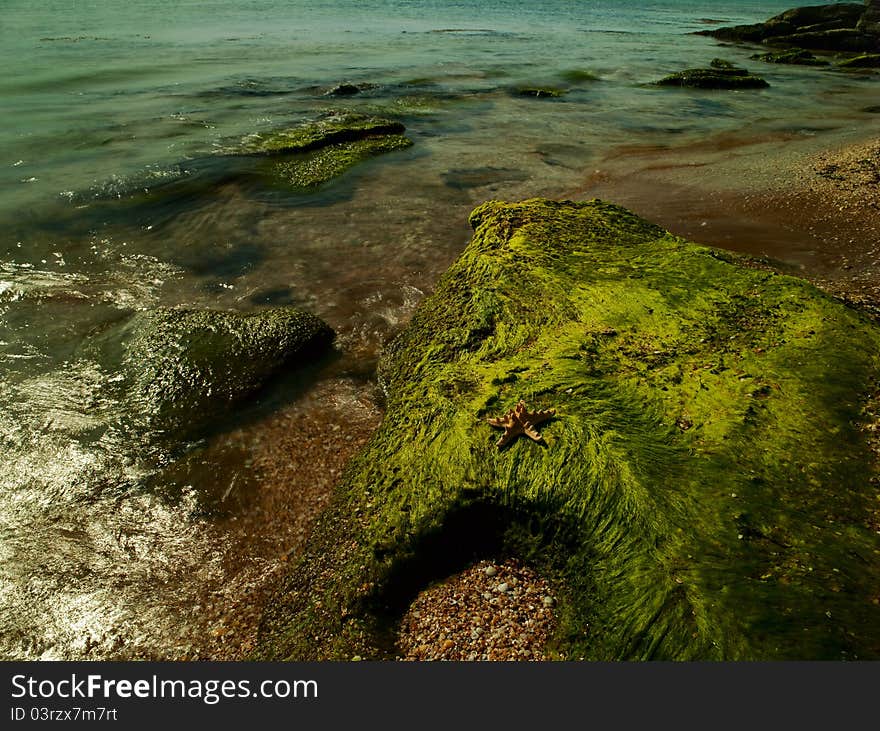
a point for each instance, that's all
(295, 457)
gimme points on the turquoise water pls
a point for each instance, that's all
(106, 100)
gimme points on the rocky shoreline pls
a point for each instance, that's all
(846, 27)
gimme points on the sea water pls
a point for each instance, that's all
(105, 102)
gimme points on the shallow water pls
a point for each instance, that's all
(114, 199)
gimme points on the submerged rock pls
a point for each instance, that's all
(719, 76)
(865, 61)
(540, 92)
(181, 367)
(579, 76)
(796, 58)
(304, 157)
(330, 130)
(703, 491)
(343, 90)
(837, 27)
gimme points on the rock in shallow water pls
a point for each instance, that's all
(731, 539)
(181, 367)
(794, 58)
(311, 154)
(837, 27)
(716, 77)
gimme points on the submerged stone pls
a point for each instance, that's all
(865, 61)
(717, 77)
(315, 168)
(307, 156)
(579, 76)
(344, 90)
(704, 490)
(796, 58)
(330, 130)
(540, 92)
(181, 367)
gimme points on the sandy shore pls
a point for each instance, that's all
(811, 207)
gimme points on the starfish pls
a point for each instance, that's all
(520, 421)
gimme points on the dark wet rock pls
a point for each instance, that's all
(309, 155)
(870, 20)
(181, 367)
(716, 77)
(344, 90)
(865, 61)
(720, 63)
(540, 92)
(842, 39)
(848, 27)
(746, 536)
(797, 57)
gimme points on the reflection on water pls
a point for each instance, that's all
(116, 198)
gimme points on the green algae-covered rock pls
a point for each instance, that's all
(705, 490)
(314, 168)
(796, 58)
(717, 77)
(304, 157)
(332, 129)
(180, 367)
(865, 61)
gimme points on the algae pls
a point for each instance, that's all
(706, 490)
(332, 129)
(317, 167)
(864, 61)
(716, 77)
(307, 156)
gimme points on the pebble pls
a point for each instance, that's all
(470, 617)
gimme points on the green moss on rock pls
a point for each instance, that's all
(720, 63)
(317, 167)
(307, 156)
(704, 491)
(717, 77)
(865, 61)
(332, 129)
